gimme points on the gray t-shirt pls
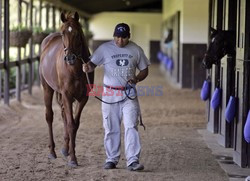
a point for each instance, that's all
(119, 64)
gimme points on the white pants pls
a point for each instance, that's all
(112, 115)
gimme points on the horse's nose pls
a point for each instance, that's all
(206, 63)
(70, 59)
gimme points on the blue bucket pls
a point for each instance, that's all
(230, 109)
(170, 64)
(205, 90)
(247, 128)
(166, 60)
(216, 98)
(159, 55)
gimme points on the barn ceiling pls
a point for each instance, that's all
(91, 7)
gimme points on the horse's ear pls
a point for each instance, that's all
(63, 18)
(212, 30)
(76, 16)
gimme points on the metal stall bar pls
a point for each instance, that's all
(54, 18)
(40, 24)
(31, 52)
(47, 16)
(26, 25)
(6, 52)
(18, 68)
(1, 43)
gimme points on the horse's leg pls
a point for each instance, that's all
(48, 97)
(79, 107)
(65, 149)
(71, 128)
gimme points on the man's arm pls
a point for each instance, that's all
(88, 67)
(140, 77)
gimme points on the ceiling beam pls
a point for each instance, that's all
(64, 6)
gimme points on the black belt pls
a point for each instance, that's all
(115, 87)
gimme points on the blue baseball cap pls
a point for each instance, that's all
(122, 30)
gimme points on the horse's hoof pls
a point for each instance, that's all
(72, 164)
(64, 152)
(52, 156)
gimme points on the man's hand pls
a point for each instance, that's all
(88, 67)
(133, 81)
(85, 68)
(140, 77)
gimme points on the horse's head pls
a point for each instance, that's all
(222, 43)
(72, 37)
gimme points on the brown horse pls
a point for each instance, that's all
(62, 56)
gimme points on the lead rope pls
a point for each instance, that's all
(87, 76)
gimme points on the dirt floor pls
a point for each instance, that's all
(172, 149)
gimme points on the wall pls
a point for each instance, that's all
(195, 22)
(145, 27)
(193, 18)
(169, 8)
(193, 39)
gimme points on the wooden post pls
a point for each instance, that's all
(227, 78)
(40, 13)
(40, 24)
(18, 68)
(54, 18)
(47, 15)
(31, 51)
(23, 67)
(35, 20)
(1, 43)
(241, 154)
(59, 19)
(0, 84)
(1, 40)
(6, 52)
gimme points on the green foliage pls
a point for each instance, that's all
(49, 30)
(19, 27)
(37, 29)
(12, 78)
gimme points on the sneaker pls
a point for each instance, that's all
(135, 166)
(109, 165)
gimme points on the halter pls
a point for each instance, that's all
(70, 58)
(213, 57)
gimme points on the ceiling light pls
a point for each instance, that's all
(127, 3)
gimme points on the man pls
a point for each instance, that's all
(120, 58)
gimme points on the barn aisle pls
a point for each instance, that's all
(172, 148)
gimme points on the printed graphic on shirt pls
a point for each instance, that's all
(122, 67)
(122, 62)
(122, 72)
